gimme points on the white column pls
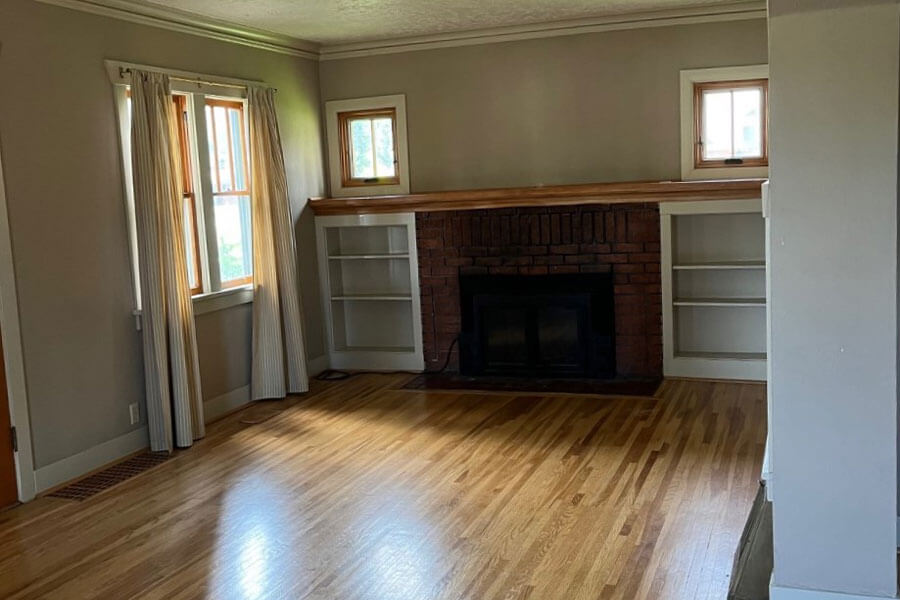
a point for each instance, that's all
(834, 149)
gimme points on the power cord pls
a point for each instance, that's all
(446, 360)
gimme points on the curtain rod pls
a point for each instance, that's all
(197, 80)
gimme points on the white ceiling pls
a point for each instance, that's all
(345, 21)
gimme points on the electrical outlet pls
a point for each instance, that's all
(134, 412)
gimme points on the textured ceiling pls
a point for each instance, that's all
(343, 21)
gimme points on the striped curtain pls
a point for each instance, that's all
(279, 355)
(171, 371)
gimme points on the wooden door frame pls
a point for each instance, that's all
(12, 351)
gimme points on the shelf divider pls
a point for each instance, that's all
(367, 256)
(373, 297)
(719, 302)
(732, 265)
(723, 355)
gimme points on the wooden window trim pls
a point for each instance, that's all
(226, 103)
(344, 118)
(239, 106)
(233, 283)
(699, 89)
(180, 103)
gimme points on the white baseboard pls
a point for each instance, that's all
(218, 407)
(777, 592)
(77, 465)
(769, 478)
(316, 365)
(766, 475)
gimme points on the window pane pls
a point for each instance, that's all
(211, 146)
(223, 154)
(233, 233)
(188, 221)
(384, 146)
(747, 123)
(179, 103)
(237, 143)
(361, 156)
(717, 130)
(187, 203)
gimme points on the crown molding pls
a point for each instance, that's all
(737, 11)
(185, 22)
(137, 11)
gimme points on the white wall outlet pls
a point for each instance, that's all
(134, 412)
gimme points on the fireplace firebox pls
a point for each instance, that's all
(537, 325)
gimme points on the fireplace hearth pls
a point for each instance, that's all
(618, 241)
(537, 325)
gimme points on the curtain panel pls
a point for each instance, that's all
(171, 371)
(279, 355)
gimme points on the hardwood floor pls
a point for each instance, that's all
(360, 490)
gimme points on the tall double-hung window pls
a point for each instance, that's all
(229, 189)
(213, 137)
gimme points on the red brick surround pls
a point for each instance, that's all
(622, 238)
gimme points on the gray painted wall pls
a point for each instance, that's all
(64, 188)
(573, 109)
(834, 112)
(224, 349)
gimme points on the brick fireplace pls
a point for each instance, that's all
(622, 239)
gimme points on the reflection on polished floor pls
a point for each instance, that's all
(361, 490)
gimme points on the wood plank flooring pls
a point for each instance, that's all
(360, 490)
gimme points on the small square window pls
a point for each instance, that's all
(368, 141)
(731, 123)
(367, 148)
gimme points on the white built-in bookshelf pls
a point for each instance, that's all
(714, 289)
(369, 275)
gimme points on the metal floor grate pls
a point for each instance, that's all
(114, 475)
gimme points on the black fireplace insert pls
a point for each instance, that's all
(537, 325)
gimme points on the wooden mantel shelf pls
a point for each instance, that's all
(556, 195)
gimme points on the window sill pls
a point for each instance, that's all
(211, 302)
(214, 301)
(689, 173)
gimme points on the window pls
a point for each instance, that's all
(730, 123)
(724, 122)
(367, 146)
(230, 190)
(216, 209)
(189, 204)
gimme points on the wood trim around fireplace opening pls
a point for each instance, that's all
(555, 195)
